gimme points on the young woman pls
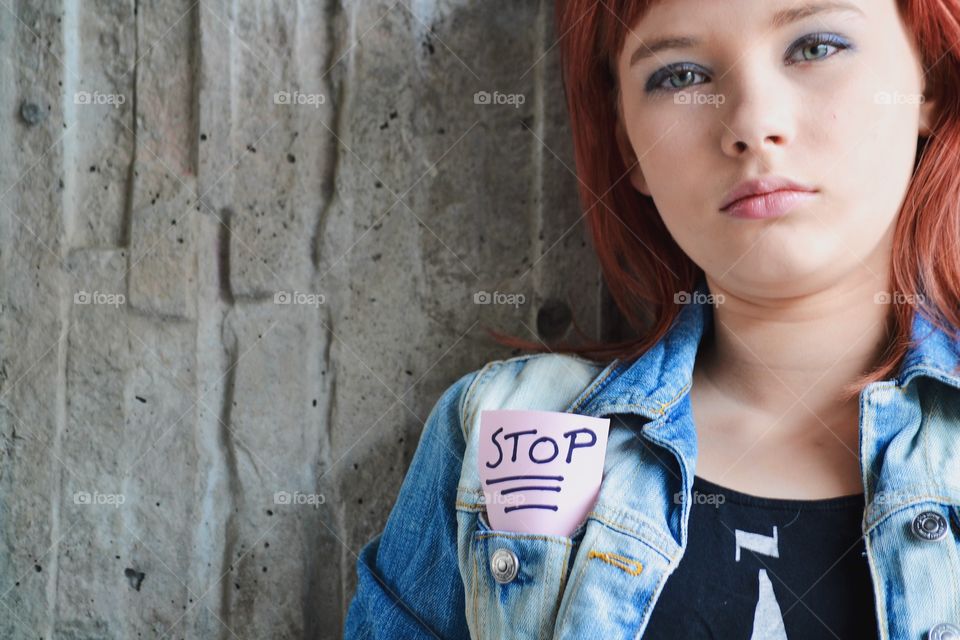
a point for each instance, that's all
(776, 182)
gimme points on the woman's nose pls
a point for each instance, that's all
(757, 114)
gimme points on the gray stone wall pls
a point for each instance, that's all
(240, 243)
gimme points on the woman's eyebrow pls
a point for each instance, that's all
(779, 20)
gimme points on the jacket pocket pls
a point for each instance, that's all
(513, 582)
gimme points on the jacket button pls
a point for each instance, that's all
(931, 526)
(504, 565)
(944, 631)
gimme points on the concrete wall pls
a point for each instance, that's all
(172, 170)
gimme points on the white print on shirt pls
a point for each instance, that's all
(757, 542)
(767, 617)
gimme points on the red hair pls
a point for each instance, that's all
(643, 266)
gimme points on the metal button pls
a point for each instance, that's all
(930, 525)
(944, 631)
(504, 565)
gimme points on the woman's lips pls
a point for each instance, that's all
(768, 205)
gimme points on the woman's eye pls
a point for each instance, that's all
(819, 46)
(677, 78)
(819, 51)
(682, 79)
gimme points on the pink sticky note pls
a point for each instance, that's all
(540, 470)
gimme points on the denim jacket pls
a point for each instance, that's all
(429, 573)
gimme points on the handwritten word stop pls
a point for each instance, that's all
(540, 470)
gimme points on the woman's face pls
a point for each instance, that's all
(832, 99)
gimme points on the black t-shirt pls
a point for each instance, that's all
(759, 568)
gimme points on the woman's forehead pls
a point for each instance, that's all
(647, 19)
(772, 13)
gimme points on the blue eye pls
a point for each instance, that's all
(819, 43)
(681, 76)
(678, 76)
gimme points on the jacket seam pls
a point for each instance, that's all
(476, 589)
(466, 408)
(917, 499)
(651, 601)
(636, 535)
(658, 409)
(594, 387)
(510, 535)
(482, 378)
(563, 574)
(616, 526)
(878, 590)
(573, 590)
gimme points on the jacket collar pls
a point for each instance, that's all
(657, 380)
(933, 353)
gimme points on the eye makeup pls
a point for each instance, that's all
(672, 78)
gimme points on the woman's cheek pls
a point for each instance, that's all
(690, 172)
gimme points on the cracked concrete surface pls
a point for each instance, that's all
(240, 243)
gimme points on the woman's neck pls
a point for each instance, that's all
(771, 356)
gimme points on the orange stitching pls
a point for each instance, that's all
(630, 566)
(664, 405)
(620, 527)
